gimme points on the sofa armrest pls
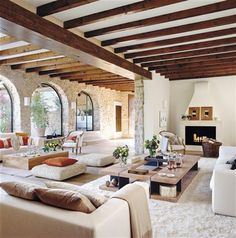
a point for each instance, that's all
(224, 190)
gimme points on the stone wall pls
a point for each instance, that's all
(23, 84)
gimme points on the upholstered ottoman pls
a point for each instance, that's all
(96, 160)
(58, 173)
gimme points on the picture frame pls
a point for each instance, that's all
(206, 113)
(194, 112)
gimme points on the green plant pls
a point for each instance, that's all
(121, 152)
(39, 112)
(152, 145)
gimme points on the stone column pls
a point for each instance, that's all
(139, 116)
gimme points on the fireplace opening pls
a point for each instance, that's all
(194, 135)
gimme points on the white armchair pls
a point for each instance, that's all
(74, 140)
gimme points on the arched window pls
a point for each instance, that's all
(84, 112)
(51, 101)
(6, 109)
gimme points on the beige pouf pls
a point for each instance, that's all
(58, 173)
(96, 160)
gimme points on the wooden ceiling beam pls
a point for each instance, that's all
(193, 12)
(79, 72)
(18, 50)
(7, 40)
(91, 77)
(190, 60)
(173, 30)
(191, 53)
(73, 69)
(172, 41)
(53, 67)
(60, 5)
(119, 11)
(100, 81)
(192, 65)
(42, 63)
(38, 56)
(172, 49)
(200, 75)
(39, 31)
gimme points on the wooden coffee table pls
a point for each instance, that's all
(24, 161)
(183, 177)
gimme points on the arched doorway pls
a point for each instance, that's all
(6, 109)
(48, 98)
(84, 112)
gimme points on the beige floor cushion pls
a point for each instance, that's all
(58, 173)
(98, 160)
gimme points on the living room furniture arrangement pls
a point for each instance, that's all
(223, 183)
(175, 142)
(156, 177)
(74, 141)
(26, 161)
(33, 219)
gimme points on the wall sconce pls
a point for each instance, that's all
(73, 106)
(164, 104)
(26, 101)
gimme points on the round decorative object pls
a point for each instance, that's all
(114, 182)
(108, 183)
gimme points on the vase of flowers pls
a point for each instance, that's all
(52, 146)
(152, 146)
(121, 153)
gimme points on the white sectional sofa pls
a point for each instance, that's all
(6, 151)
(223, 183)
(32, 219)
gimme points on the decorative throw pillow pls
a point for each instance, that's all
(24, 140)
(20, 189)
(71, 138)
(62, 198)
(5, 143)
(96, 199)
(231, 160)
(22, 134)
(233, 167)
(60, 161)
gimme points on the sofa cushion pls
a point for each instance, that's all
(96, 199)
(23, 140)
(5, 143)
(62, 198)
(60, 161)
(20, 189)
(97, 160)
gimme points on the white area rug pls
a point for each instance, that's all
(192, 216)
(15, 172)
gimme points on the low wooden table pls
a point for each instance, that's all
(183, 177)
(24, 161)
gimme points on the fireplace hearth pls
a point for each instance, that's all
(194, 135)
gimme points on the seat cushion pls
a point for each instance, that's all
(58, 173)
(97, 160)
(69, 144)
(60, 161)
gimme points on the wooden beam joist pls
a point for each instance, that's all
(197, 11)
(38, 31)
(172, 41)
(38, 56)
(190, 60)
(195, 64)
(192, 53)
(18, 50)
(192, 46)
(200, 75)
(101, 80)
(60, 5)
(91, 77)
(7, 40)
(119, 11)
(173, 30)
(42, 63)
(58, 66)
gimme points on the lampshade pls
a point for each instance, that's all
(26, 101)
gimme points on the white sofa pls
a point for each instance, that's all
(6, 151)
(32, 219)
(223, 183)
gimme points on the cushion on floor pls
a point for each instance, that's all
(58, 173)
(98, 160)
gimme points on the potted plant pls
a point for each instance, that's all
(39, 114)
(152, 146)
(121, 153)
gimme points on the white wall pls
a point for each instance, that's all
(223, 91)
(156, 99)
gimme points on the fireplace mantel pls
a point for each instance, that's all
(216, 123)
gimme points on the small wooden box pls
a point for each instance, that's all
(168, 191)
